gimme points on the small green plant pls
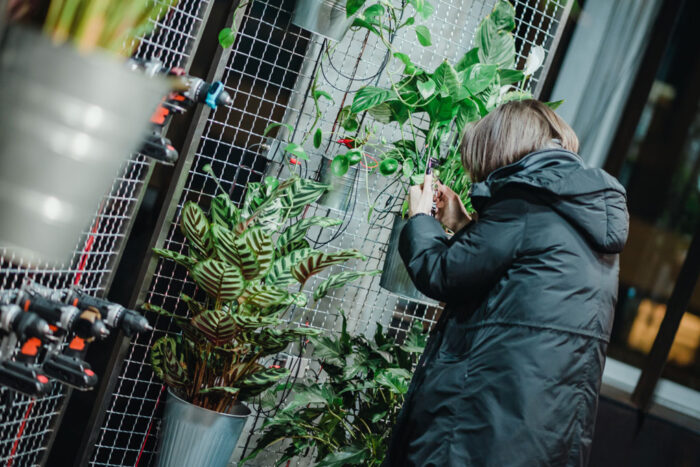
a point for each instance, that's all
(245, 267)
(112, 25)
(448, 99)
(384, 19)
(347, 418)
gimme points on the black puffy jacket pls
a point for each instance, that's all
(511, 374)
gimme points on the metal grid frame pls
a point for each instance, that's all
(26, 424)
(268, 75)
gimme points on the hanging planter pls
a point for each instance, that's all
(341, 189)
(192, 435)
(327, 18)
(69, 121)
(395, 278)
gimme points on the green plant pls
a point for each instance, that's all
(384, 19)
(112, 25)
(245, 269)
(348, 417)
(227, 36)
(449, 98)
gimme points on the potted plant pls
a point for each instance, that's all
(449, 98)
(332, 18)
(71, 107)
(346, 417)
(245, 268)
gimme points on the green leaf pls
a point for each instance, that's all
(180, 259)
(515, 96)
(426, 88)
(195, 227)
(495, 47)
(298, 230)
(272, 126)
(318, 93)
(388, 166)
(319, 261)
(408, 167)
(410, 68)
(368, 97)
(383, 113)
(503, 16)
(347, 119)
(396, 379)
(318, 138)
(469, 59)
(340, 165)
(423, 34)
(281, 271)
(479, 77)
(448, 82)
(352, 455)
(554, 105)
(352, 6)
(168, 362)
(219, 280)
(373, 11)
(255, 322)
(235, 251)
(216, 325)
(223, 212)
(263, 296)
(510, 76)
(227, 37)
(261, 380)
(296, 150)
(468, 112)
(339, 280)
(260, 243)
(354, 156)
(415, 339)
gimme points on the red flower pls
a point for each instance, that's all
(348, 142)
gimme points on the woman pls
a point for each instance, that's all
(511, 374)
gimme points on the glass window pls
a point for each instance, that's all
(661, 173)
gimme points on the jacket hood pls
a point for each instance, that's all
(590, 199)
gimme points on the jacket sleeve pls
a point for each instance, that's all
(448, 269)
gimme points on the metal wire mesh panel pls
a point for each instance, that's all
(25, 422)
(268, 75)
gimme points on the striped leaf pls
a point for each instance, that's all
(223, 212)
(254, 197)
(319, 261)
(297, 231)
(235, 251)
(281, 271)
(339, 280)
(260, 380)
(216, 325)
(263, 296)
(180, 259)
(261, 245)
(254, 322)
(168, 363)
(195, 227)
(221, 281)
(270, 340)
(299, 194)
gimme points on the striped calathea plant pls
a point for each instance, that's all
(245, 260)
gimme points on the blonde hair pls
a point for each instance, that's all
(510, 132)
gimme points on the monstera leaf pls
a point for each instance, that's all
(297, 231)
(217, 326)
(168, 363)
(235, 251)
(319, 261)
(195, 227)
(223, 212)
(219, 280)
(280, 273)
(180, 259)
(339, 280)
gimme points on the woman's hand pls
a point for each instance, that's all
(420, 198)
(450, 210)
